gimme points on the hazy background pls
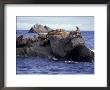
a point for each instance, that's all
(85, 23)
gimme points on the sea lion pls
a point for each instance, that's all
(75, 33)
(78, 33)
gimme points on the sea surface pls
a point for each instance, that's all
(37, 65)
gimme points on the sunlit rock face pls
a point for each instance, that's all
(37, 28)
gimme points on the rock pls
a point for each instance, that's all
(42, 35)
(20, 51)
(81, 53)
(56, 43)
(47, 28)
(41, 50)
(61, 42)
(37, 28)
(32, 30)
(77, 42)
(22, 42)
(44, 42)
(92, 56)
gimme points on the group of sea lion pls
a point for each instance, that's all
(44, 37)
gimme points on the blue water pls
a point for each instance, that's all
(36, 65)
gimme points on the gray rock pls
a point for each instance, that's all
(56, 43)
(47, 28)
(37, 28)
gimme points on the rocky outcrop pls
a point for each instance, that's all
(37, 28)
(47, 28)
(81, 53)
(22, 42)
(56, 43)
(62, 42)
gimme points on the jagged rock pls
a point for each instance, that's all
(37, 28)
(47, 28)
(22, 42)
(56, 43)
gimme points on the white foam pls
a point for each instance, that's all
(93, 50)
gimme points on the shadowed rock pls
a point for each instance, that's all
(81, 53)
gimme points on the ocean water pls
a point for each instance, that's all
(37, 65)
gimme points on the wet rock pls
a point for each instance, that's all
(81, 53)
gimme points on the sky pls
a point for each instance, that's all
(85, 23)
